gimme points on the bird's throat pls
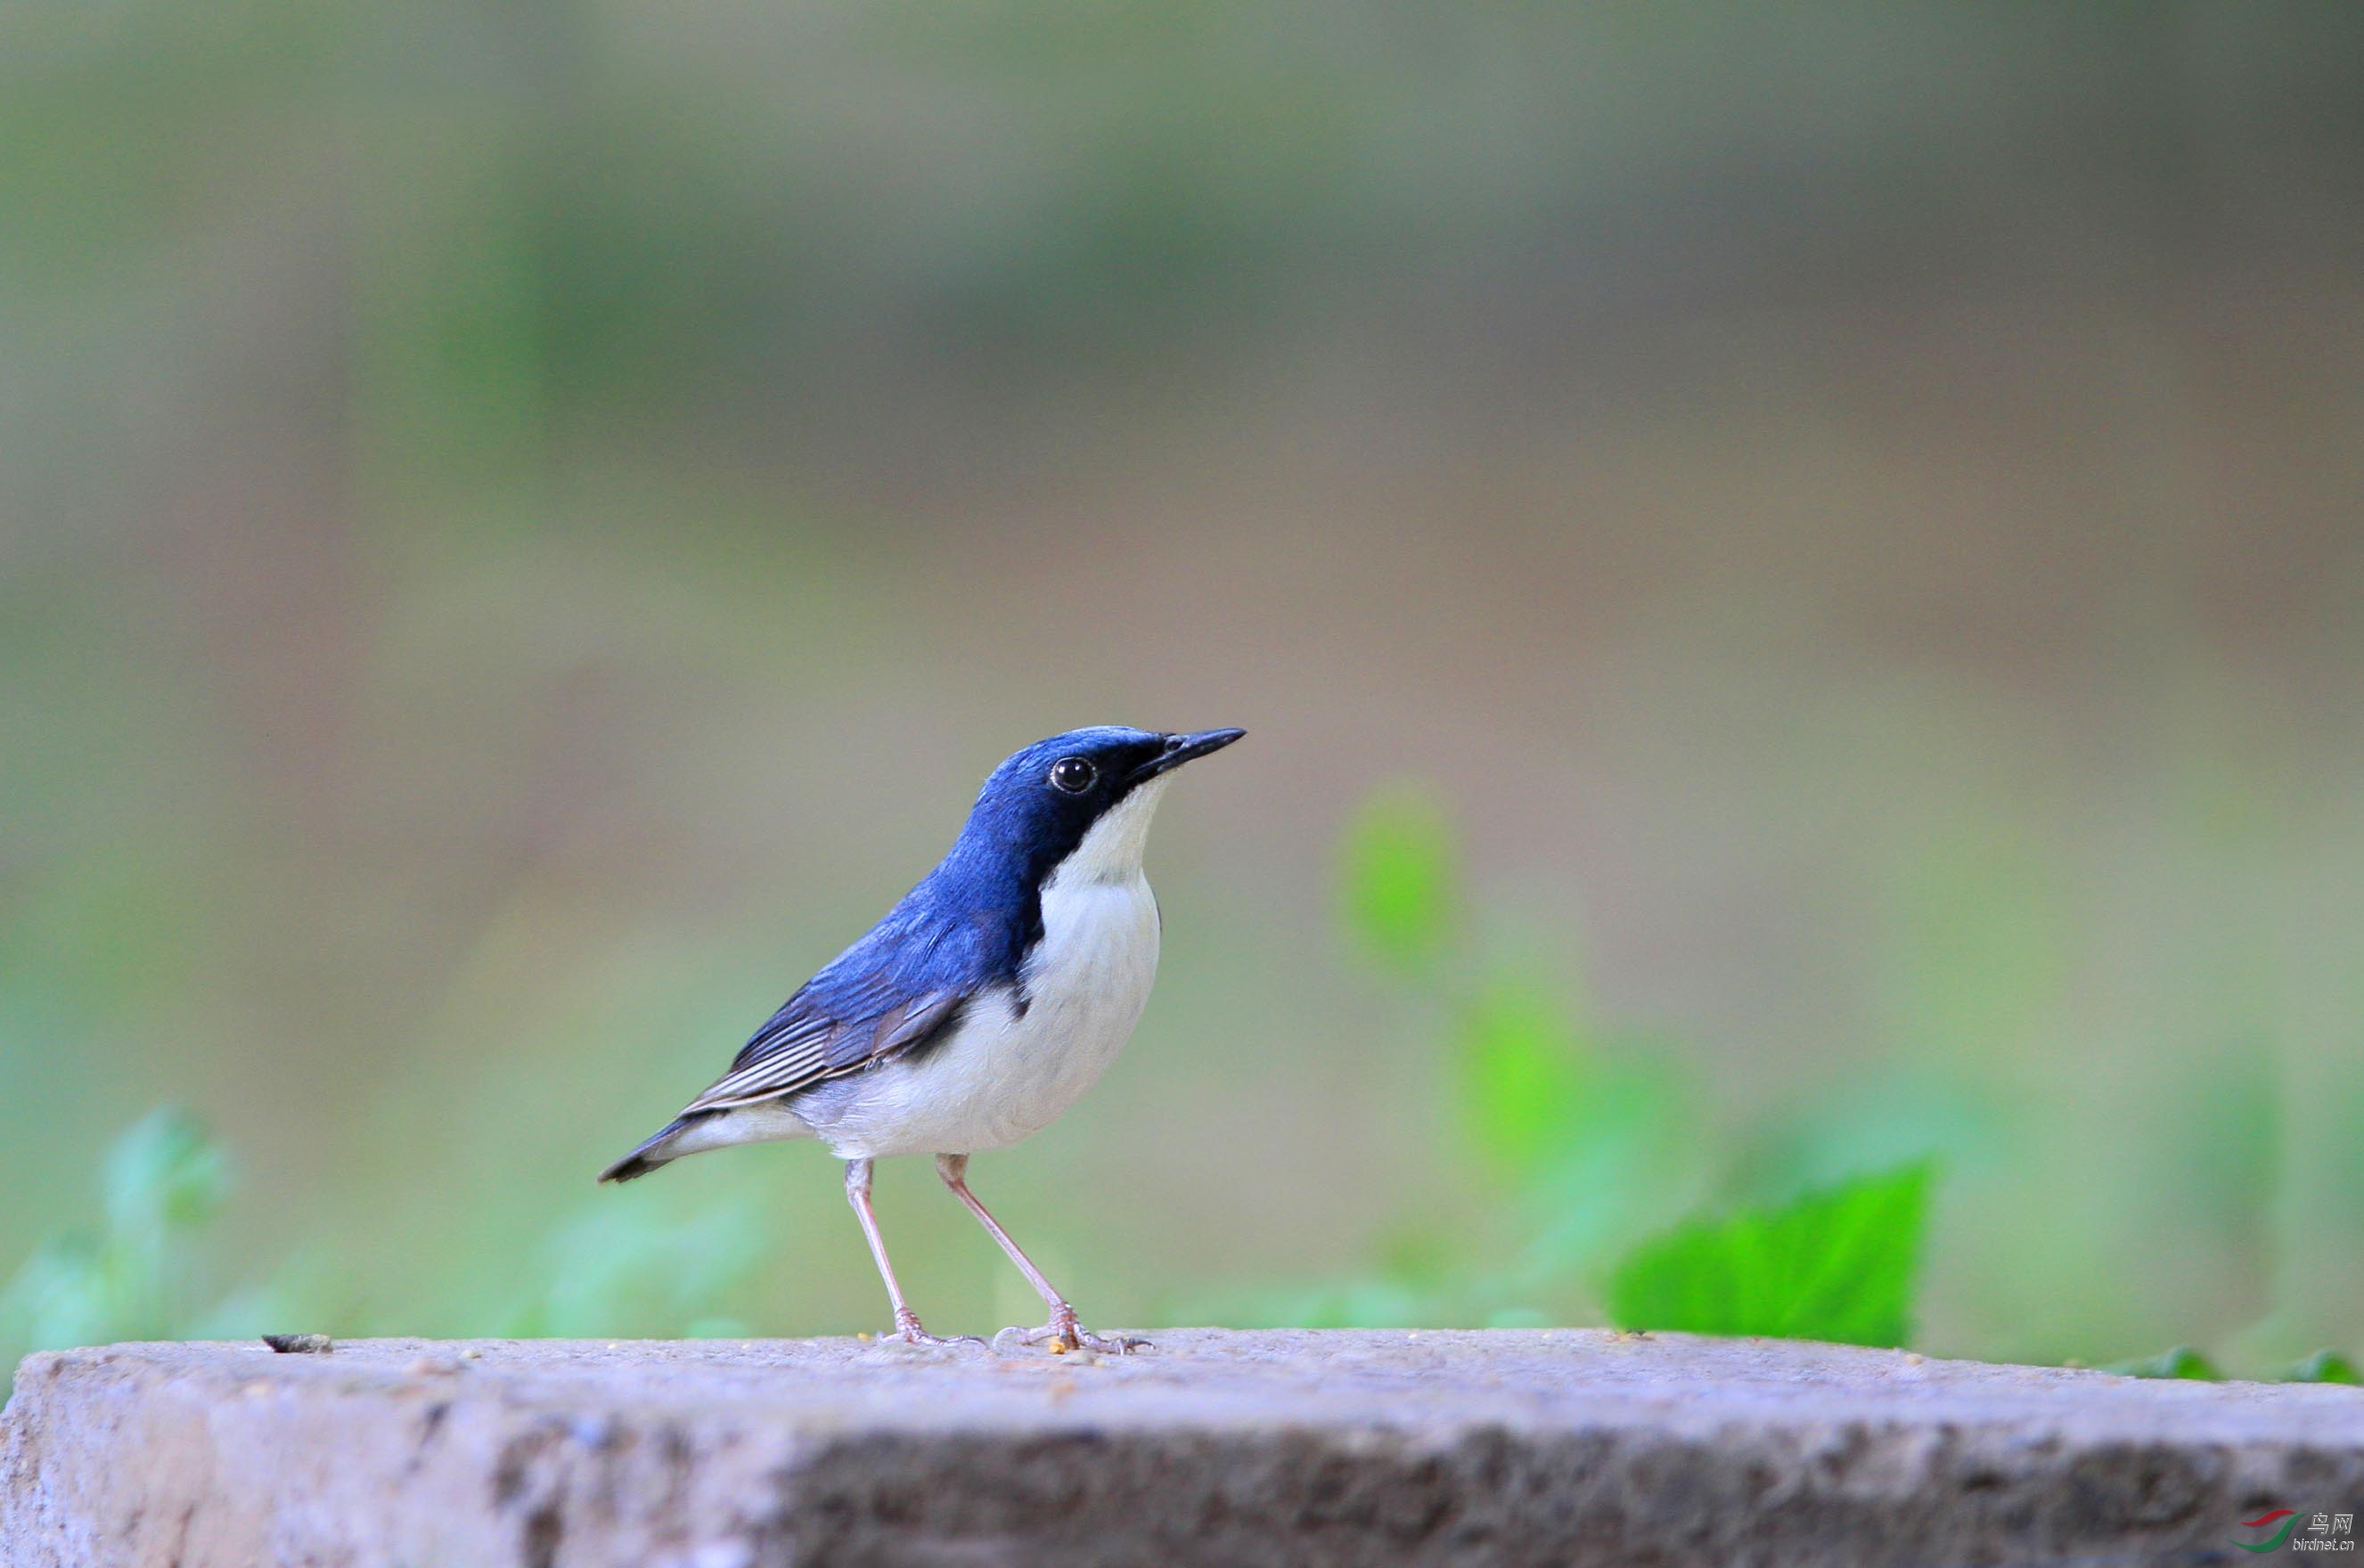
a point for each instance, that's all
(1111, 849)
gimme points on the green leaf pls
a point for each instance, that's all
(2323, 1367)
(163, 1175)
(163, 1178)
(1400, 878)
(1522, 1075)
(2183, 1361)
(1627, 1164)
(1836, 1264)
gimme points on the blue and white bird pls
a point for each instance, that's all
(981, 1007)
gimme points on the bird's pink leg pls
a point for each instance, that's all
(907, 1322)
(954, 1169)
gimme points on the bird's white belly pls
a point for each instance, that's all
(1005, 1073)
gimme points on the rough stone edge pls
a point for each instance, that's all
(258, 1481)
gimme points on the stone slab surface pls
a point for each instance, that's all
(1545, 1447)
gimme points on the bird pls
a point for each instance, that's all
(980, 1009)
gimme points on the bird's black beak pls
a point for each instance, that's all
(1180, 748)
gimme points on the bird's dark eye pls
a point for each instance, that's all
(1073, 775)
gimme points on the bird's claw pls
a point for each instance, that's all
(1063, 1334)
(907, 1330)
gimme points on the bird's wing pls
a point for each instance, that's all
(897, 988)
(807, 1042)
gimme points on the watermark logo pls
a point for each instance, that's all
(2321, 1532)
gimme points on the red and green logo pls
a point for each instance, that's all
(2288, 1517)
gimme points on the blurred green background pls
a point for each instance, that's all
(1839, 529)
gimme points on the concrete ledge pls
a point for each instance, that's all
(1566, 1447)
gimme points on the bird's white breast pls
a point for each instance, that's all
(1021, 1054)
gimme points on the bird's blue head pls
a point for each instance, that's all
(1078, 804)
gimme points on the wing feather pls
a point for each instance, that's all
(902, 985)
(807, 1041)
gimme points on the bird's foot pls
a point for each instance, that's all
(908, 1331)
(1063, 1334)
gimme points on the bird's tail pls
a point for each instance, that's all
(649, 1156)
